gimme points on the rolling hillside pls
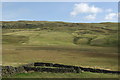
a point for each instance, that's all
(82, 44)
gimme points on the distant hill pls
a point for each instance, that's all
(41, 24)
(83, 33)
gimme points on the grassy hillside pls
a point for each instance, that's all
(98, 34)
(81, 44)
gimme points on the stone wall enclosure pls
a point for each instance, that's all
(49, 67)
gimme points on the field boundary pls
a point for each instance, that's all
(50, 67)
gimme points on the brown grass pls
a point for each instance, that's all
(99, 57)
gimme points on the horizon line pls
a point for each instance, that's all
(59, 21)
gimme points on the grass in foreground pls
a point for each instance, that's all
(64, 75)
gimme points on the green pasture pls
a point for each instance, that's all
(81, 44)
(64, 75)
(44, 46)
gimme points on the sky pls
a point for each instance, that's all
(82, 12)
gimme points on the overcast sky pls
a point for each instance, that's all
(60, 11)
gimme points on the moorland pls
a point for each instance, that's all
(81, 44)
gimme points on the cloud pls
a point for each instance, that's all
(84, 8)
(91, 17)
(111, 16)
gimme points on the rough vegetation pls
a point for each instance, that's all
(81, 44)
(101, 34)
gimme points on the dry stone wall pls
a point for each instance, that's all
(49, 67)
